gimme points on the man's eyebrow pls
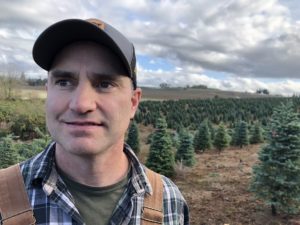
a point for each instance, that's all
(62, 73)
(107, 76)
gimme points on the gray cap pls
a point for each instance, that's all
(63, 33)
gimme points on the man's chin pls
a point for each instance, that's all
(80, 148)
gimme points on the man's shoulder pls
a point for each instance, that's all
(171, 190)
(175, 206)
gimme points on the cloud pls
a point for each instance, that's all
(246, 39)
(178, 78)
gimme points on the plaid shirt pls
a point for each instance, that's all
(53, 204)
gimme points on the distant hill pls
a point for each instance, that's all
(194, 93)
(159, 93)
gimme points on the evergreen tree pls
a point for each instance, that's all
(133, 137)
(185, 152)
(221, 138)
(8, 152)
(202, 140)
(161, 156)
(27, 150)
(235, 135)
(276, 179)
(211, 130)
(256, 134)
(243, 136)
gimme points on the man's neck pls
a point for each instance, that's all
(97, 170)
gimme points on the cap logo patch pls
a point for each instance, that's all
(98, 23)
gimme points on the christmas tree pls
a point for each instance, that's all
(8, 152)
(276, 179)
(161, 156)
(133, 137)
(221, 138)
(202, 140)
(185, 152)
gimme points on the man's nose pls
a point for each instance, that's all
(83, 99)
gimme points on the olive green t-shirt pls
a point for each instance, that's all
(95, 204)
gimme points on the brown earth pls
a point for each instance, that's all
(216, 190)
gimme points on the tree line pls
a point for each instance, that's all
(190, 113)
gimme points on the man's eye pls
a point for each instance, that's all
(63, 83)
(105, 84)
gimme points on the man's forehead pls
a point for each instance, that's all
(94, 57)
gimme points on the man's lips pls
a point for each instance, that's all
(83, 123)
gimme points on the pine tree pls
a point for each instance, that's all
(8, 152)
(256, 134)
(202, 140)
(133, 137)
(243, 136)
(221, 138)
(161, 156)
(185, 152)
(235, 135)
(211, 130)
(276, 179)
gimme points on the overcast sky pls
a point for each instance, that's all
(237, 45)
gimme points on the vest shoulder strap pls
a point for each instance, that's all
(14, 204)
(15, 208)
(153, 204)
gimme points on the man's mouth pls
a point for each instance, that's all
(83, 123)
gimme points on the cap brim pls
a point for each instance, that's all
(63, 33)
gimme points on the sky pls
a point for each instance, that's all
(239, 45)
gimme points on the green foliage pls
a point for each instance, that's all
(24, 125)
(202, 139)
(185, 153)
(21, 117)
(8, 152)
(256, 134)
(276, 179)
(188, 113)
(29, 149)
(242, 137)
(161, 156)
(221, 139)
(133, 137)
(235, 134)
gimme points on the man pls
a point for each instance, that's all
(88, 175)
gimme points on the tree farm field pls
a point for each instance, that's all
(216, 188)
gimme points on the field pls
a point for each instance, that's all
(216, 189)
(190, 93)
(28, 92)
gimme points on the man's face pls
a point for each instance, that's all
(90, 100)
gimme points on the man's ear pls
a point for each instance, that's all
(135, 100)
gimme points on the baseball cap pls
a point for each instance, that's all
(65, 32)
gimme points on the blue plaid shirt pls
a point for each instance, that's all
(53, 204)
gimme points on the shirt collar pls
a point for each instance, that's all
(44, 171)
